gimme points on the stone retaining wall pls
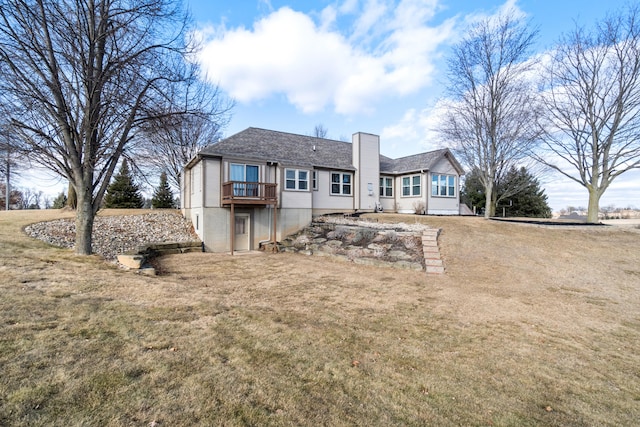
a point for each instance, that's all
(139, 258)
(387, 245)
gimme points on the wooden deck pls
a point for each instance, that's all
(249, 193)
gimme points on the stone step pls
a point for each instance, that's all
(134, 261)
(433, 263)
(435, 270)
(137, 259)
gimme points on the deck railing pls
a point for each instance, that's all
(248, 192)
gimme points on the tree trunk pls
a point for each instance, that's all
(494, 201)
(594, 206)
(72, 198)
(489, 207)
(84, 226)
(7, 186)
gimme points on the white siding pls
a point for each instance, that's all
(212, 184)
(185, 190)
(195, 185)
(388, 203)
(409, 204)
(441, 205)
(295, 199)
(324, 201)
(366, 159)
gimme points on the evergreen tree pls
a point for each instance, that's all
(123, 193)
(60, 201)
(528, 201)
(163, 196)
(473, 194)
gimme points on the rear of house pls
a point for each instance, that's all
(260, 186)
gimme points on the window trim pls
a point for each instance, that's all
(411, 186)
(314, 180)
(436, 178)
(386, 183)
(244, 187)
(296, 179)
(341, 184)
(244, 166)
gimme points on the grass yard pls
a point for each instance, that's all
(530, 326)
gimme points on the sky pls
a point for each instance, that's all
(374, 66)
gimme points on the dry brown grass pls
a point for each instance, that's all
(530, 326)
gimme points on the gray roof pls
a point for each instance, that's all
(284, 148)
(413, 163)
(300, 150)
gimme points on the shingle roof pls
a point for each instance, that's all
(284, 148)
(300, 150)
(415, 162)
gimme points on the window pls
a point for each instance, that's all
(245, 178)
(241, 225)
(295, 179)
(341, 183)
(386, 187)
(443, 185)
(411, 185)
(314, 180)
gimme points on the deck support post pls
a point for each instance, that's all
(275, 215)
(232, 228)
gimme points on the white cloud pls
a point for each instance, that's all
(328, 17)
(368, 23)
(316, 65)
(416, 131)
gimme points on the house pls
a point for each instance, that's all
(262, 185)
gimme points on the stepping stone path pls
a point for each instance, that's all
(432, 261)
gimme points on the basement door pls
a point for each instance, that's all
(241, 237)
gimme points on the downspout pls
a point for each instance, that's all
(426, 190)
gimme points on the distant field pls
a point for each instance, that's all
(529, 326)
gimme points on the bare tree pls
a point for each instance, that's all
(490, 118)
(593, 101)
(171, 141)
(31, 198)
(319, 131)
(8, 164)
(80, 79)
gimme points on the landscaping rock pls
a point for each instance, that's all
(387, 245)
(119, 234)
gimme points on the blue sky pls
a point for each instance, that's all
(375, 66)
